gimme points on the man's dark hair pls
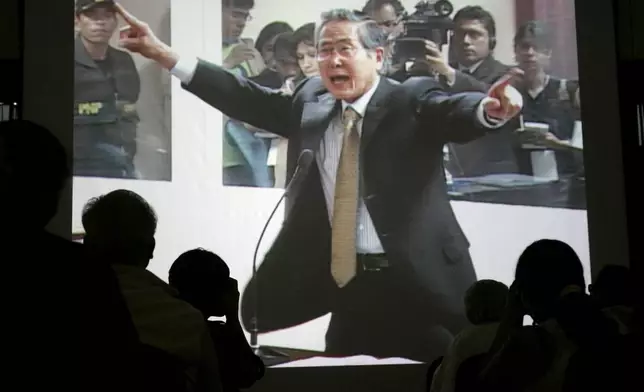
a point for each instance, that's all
(32, 151)
(201, 277)
(544, 269)
(284, 44)
(120, 222)
(370, 35)
(535, 33)
(245, 4)
(33, 170)
(475, 12)
(485, 301)
(374, 5)
(304, 34)
(270, 31)
(197, 265)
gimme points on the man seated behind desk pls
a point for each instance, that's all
(388, 258)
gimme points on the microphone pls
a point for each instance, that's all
(291, 190)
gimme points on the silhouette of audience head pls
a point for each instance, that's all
(545, 269)
(33, 172)
(485, 302)
(120, 226)
(203, 280)
(614, 286)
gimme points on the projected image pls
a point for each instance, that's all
(418, 144)
(534, 159)
(121, 101)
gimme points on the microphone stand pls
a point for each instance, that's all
(268, 355)
(265, 353)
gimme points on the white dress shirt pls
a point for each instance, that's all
(328, 160)
(328, 156)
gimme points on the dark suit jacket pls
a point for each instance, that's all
(488, 72)
(403, 185)
(493, 153)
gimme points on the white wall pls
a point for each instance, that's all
(299, 12)
(196, 210)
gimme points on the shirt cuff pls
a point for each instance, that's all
(487, 121)
(185, 69)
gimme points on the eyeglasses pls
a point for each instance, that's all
(343, 50)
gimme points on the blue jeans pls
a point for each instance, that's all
(104, 160)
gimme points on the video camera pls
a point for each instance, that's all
(431, 21)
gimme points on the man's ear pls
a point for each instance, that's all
(379, 55)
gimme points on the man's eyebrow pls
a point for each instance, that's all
(341, 40)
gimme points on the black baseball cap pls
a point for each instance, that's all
(84, 5)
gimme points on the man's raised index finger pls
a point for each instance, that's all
(129, 18)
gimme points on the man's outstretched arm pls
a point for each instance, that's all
(234, 96)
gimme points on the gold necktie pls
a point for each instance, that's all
(345, 204)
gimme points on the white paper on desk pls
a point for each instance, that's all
(358, 360)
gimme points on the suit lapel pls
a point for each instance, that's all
(316, 117)
(489, 68)
(377, 109)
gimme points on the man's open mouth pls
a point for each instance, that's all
(340, 79)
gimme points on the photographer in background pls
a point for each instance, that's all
(239, 54)
(474, 69)
(388, 14)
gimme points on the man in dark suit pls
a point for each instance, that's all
(371, 237)
(472, 67)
